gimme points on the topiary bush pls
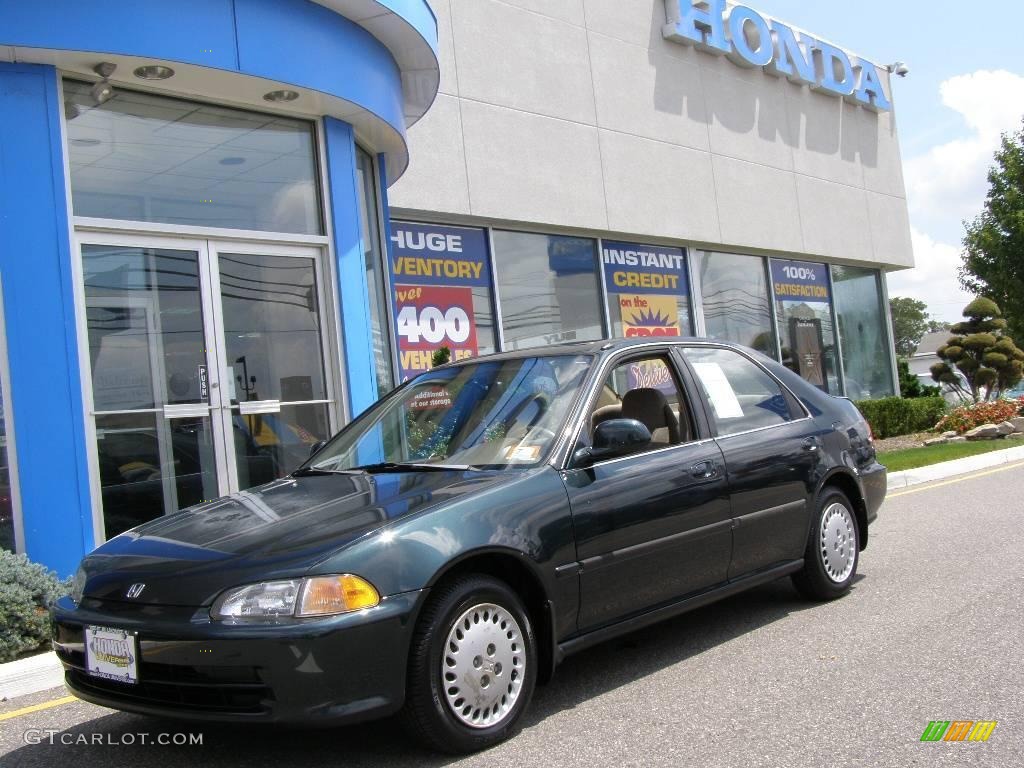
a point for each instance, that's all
(26, 592)
(967, 417)
(893, 416)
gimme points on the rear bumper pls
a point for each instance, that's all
(874, 484)
(339, 670)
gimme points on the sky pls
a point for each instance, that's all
(965, 88)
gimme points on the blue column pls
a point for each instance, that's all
(349, 250)
(35, 261)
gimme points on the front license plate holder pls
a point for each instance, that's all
(112, 654)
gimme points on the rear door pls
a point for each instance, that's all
(653, 526)
(771, 451)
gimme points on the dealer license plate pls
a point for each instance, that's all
(112, 654)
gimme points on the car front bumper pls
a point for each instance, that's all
(341, 669)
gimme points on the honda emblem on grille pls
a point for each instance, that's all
(134, 591)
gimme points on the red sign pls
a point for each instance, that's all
(429, 317)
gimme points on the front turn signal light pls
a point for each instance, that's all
(329, 595)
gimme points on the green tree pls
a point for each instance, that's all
(440, 357)
(993, 258)
(982, 351)
(910, 385)
(937, 326)
(909, 323)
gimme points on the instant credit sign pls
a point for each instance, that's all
(433, 272)
(800, 281)
(649, 269)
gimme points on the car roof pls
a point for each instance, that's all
(598, 347)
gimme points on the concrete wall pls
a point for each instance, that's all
(579, 114)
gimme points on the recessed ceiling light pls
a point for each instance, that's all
(154, 72)
(232, 160)
(281, 95)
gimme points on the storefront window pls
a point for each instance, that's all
(734, 292)
(548, 289)
(370, 223)
(441, 282)
(867, 352)
(803, 305)
(143, 157)
(6, 495)
(648, 290)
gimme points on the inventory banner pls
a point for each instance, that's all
(429, 317)
(646, 269)
(649, 315)
(434, 270)
(800, 281)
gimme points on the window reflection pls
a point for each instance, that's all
(735, 298)
(867, 356)
(548, 286)
(6, 500)
(144, 157)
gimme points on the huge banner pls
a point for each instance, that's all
(433, 272)
(646, 282)
(800, 281)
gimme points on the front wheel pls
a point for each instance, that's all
(472, 666)
(833, 549)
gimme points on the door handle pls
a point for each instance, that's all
(705, 470)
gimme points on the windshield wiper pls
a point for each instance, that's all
(316, 472)
(391, 466)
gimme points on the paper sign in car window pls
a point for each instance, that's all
(720, 392)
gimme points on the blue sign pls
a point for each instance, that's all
(431, 254)
(644, 269)
(800, 281)
(750, 40)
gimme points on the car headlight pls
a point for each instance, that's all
(296, 598)
(78, 586)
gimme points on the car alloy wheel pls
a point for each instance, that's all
(837, 540)
(484, 664)
(833, 548)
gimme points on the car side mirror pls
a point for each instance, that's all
(314, 449)
(612, 439)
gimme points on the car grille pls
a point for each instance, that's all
(225, 689)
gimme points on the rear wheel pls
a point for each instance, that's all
(472, 666)
(833, 549)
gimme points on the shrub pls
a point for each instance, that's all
(967, 417)
(892, 416)
(26, 592)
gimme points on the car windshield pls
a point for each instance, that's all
(492, 414)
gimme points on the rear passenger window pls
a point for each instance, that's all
(741, 395)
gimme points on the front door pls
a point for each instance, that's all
(207, 367)
(653, 526)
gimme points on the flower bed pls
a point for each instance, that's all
(967, 417)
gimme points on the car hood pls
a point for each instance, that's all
(275, 531)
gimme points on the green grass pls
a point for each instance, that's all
(912, 458)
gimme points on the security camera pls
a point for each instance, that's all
(899, 69)
(102, 91)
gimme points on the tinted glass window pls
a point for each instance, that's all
(803, 304)
(741, 395)
(143, 157)
(735, 299)
(645, 389)
(548, 288)
(867, 352)
(374, 279)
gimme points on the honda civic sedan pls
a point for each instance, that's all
(445, 551)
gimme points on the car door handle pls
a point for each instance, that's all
(705, 470)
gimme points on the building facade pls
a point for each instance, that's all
(230, 225)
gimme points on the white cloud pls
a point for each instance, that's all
(934, 279)
(947, 184)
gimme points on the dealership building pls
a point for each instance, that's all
(228, 226)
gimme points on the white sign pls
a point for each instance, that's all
(720, 392)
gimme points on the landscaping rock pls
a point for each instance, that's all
(936, 441)
(958, 439)
(954, 434)
(984, 432)
(1006, 428)
(1018, 424)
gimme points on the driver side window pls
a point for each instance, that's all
(645, 389)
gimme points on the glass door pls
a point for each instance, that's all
(207, 367)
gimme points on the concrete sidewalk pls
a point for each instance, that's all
(947, 469)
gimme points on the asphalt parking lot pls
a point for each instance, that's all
(932, 630)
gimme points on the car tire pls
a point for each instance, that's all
(833, 549)
(472, 666)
